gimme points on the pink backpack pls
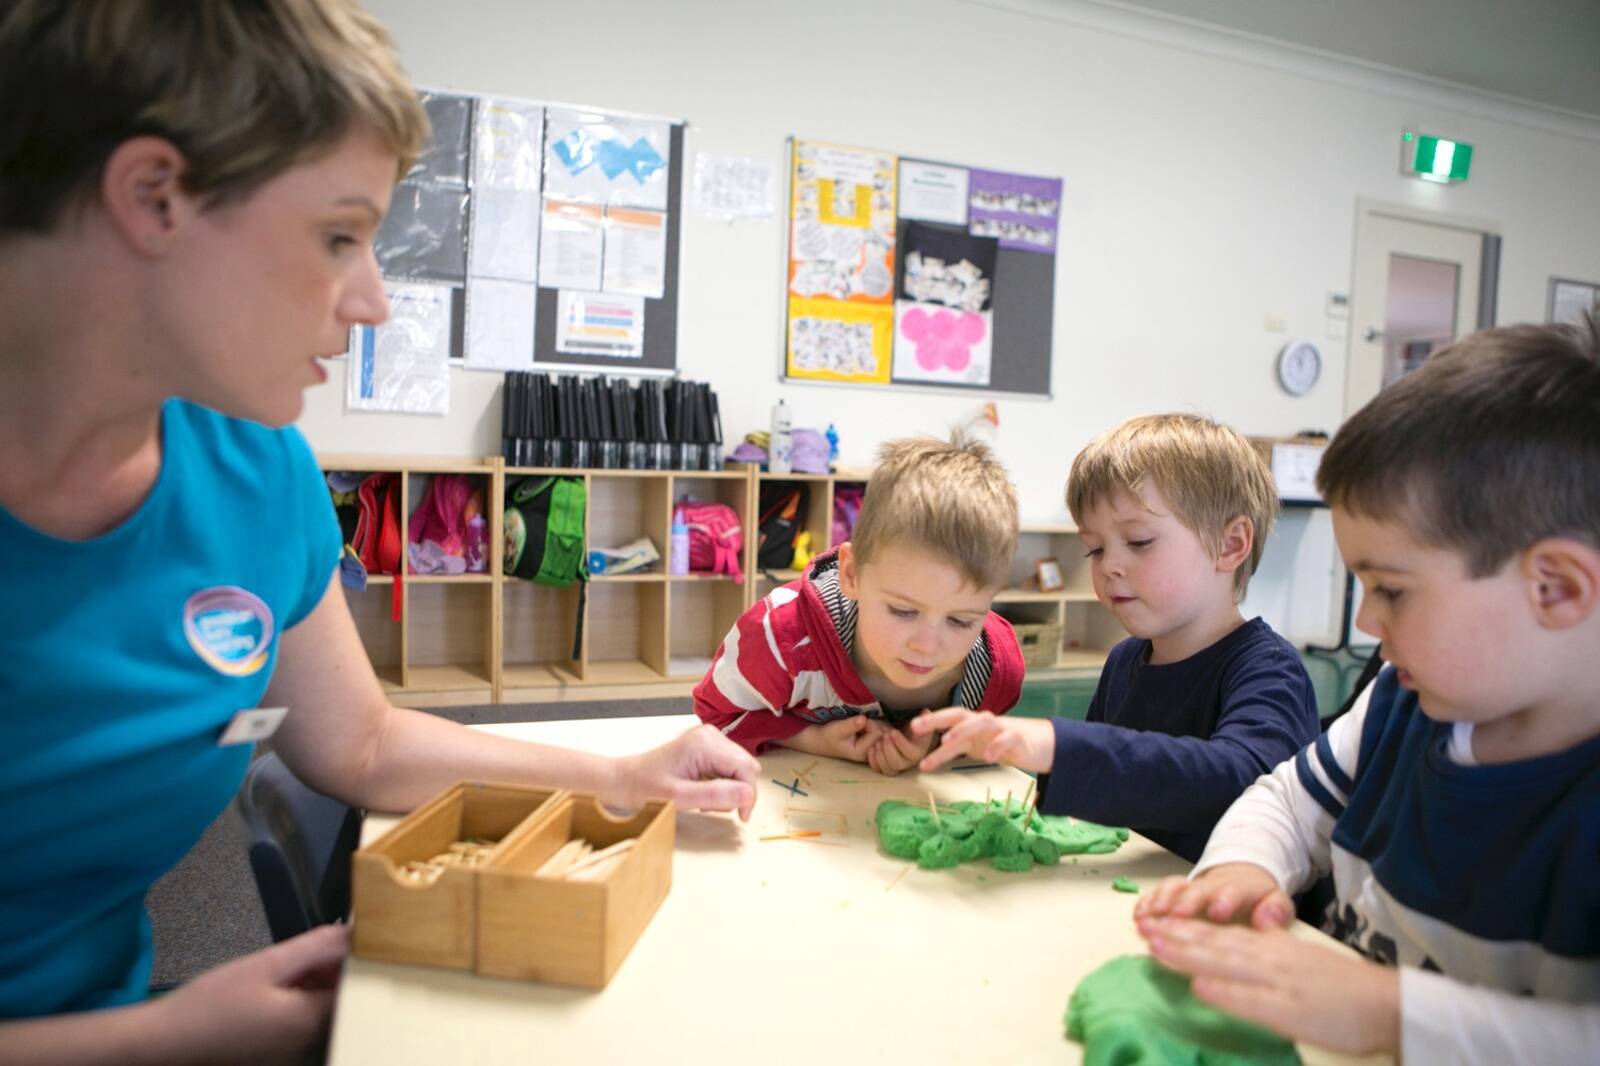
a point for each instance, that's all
(846, 509)
(715, 537)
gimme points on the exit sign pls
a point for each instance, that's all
(1434, 158)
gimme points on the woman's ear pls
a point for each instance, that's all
(1563, 581)
(142, 194)
(849, 579)
(1233, 551)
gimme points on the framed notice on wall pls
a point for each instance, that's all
(905, 271)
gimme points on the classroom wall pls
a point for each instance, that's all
(1210, 185)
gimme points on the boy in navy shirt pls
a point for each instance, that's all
(1174, 511)
(1457, 805)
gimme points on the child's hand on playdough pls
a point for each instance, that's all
(1294, 987)
(1232, 892)
(1026, 743)
(894, 751)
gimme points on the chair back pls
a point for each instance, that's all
(300, 843)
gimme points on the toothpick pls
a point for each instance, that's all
(1029, 794)
(1008, 803)
(814, 810)
(897, 878)
(556, 864)
(596, 871)
(600, 856)
(797, 834)
(808, 769)
(987, 798)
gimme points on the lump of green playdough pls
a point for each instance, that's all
(969, 831)
(1122, 884)
(1135, 1012)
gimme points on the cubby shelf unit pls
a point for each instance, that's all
(490, 638)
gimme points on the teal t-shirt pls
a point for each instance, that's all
(122, 658)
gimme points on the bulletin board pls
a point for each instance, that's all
(527, 235)
(904, 271)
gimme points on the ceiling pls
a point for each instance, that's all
(1542, 51)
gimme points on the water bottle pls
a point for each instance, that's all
(782, 441)
(476, 544)
(678, 553)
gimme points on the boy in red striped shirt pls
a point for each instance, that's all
(889, 624)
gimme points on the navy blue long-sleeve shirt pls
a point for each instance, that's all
(1165, 749)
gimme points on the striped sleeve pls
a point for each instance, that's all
(750, 685)
(1284, 822)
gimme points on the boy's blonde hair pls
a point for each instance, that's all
(245, 89)
(950, 498)
(1209, 473)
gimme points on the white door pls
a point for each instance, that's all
(1415, 289)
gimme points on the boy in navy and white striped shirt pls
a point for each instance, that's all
(1457, 806)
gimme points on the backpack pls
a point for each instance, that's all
(715, 537)
(846, 509)
(544, 530)
(377, 536)
(782, 504)
(438, 527)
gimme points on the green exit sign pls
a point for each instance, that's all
(1435, 158)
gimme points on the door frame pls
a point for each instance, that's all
(1368, 208)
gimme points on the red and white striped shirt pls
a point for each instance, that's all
(786, 665)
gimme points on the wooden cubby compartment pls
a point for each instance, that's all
(443, 650)
(818, 521)
(1088, 630)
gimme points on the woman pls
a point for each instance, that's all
(188, 198)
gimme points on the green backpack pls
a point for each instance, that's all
(544, 530)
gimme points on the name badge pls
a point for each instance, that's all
(247, 727)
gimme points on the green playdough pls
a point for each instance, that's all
(1135, 1012)
(1122, 884)
(967, 832)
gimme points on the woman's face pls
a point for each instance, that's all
(258, 291)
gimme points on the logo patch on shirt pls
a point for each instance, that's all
(229, 628)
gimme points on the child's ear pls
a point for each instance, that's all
(1238, 537)
(849, 580)
(1563, 578)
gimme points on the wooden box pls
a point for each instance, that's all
(501, 918)
(573, 932)
(436, 924)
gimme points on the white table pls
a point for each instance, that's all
(787, 951)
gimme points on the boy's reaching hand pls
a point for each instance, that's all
(1232, 892)
(894, 751)
(1292, 986)
(1026, 743)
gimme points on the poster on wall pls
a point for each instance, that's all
(600, 323)
(971, 254)
(594, 157)
(841, 263)
(933, 192)
(944, 325)
(401, 365)
(1018, 210)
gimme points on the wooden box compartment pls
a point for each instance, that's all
(573, 932)
(398, 920)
